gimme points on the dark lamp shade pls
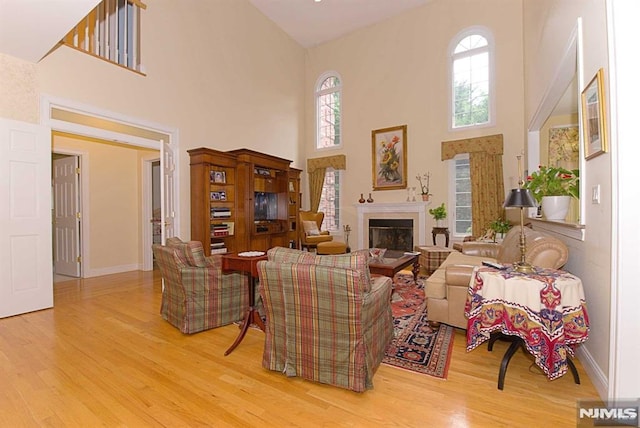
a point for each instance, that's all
(520, 198)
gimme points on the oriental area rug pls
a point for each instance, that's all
(417, 346)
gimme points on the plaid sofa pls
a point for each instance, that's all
(327, 319)
(196, 294)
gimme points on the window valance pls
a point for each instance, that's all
(487, 183)
(335, 162)
(316, 168)
(491, 144)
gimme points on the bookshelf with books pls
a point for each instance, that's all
(213, 191)
(241, 200)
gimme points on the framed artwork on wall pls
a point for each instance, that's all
(593, 117)
(389, 158)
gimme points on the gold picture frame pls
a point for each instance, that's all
(389, 158)
(594, 124)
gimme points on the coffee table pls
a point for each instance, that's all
(393, 262)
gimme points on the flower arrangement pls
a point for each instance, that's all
(390, 161)
(439, 213)
(553, 181)
(424, 188)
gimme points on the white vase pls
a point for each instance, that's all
(555, 207)
(441, 223)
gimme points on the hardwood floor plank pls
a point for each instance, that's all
(104, 357)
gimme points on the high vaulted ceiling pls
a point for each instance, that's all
(31, 28)
(311, 22)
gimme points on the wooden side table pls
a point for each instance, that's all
(248, 265)
(440, 231)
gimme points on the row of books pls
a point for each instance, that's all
(224, 228)
(218, 248)
(220, 212)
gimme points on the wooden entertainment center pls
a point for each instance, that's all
(242, 200)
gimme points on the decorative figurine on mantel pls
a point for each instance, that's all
(424, 185)
(411, 194)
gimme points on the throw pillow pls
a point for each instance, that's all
(310, 228)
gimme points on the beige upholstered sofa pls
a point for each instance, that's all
(446, 289)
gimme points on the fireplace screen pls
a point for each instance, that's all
(392, 234)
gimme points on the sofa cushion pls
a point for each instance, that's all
(436, 285)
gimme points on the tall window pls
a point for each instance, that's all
(461, 176)
(330, 200)
(471, 77)
(328, 111)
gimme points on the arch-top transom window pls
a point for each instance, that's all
(328, 111)
(471, 90)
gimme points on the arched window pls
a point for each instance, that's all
(471, 79)
(328, 111)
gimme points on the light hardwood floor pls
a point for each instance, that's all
(104, 357)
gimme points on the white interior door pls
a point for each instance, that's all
(26, 273)
(167, 195)
(66, 215)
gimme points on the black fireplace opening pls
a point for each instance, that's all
(392, 234)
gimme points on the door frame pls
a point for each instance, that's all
(147, 210)
(49, 103)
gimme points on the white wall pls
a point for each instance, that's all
(218, 71)
(603, 259)
(624, 32)
(396, 73)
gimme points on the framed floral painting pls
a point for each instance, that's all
(389, 158)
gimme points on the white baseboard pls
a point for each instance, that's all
(90, 273)
(596, 375)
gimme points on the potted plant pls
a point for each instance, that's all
(499, 227)
(424, 185)
(439, 214)
(553, 187)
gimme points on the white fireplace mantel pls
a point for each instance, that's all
(376, 210)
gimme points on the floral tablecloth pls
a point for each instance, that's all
(546, 309)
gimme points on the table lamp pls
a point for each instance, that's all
(521, 198)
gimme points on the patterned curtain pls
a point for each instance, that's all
(317, 168)
(487, 190)
(487, 182)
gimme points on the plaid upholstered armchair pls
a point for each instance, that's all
(196, 295)
(327, 320)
